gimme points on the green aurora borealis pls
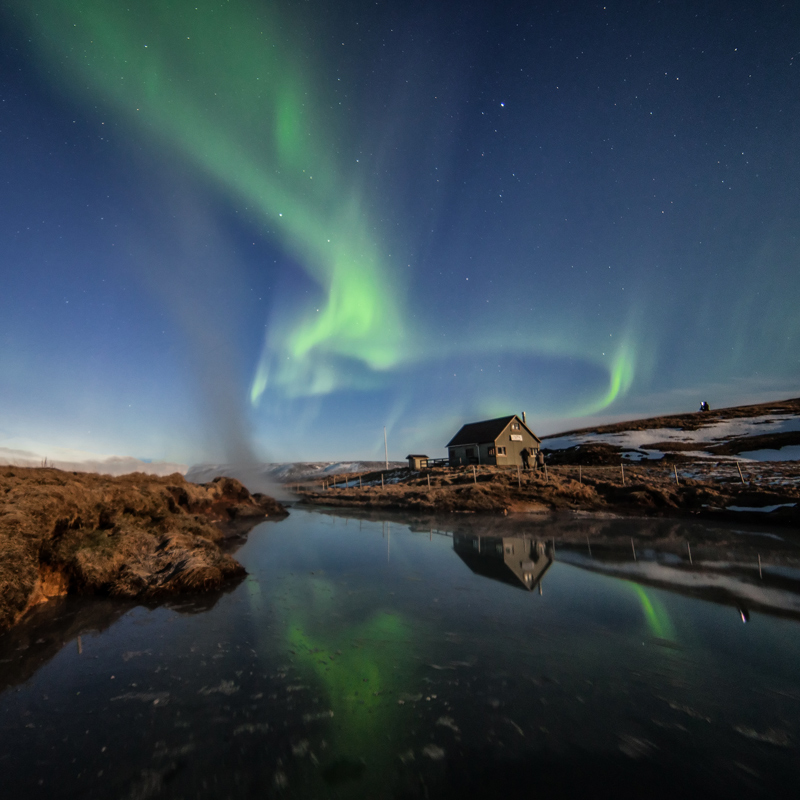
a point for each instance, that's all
(436, 227)
(232, 99)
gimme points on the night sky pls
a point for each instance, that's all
(251, 229)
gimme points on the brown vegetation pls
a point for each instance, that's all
(642, 490)
(132, 536)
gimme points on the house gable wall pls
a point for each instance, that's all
(515, 447)
(481, 452)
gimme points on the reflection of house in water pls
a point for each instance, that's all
(518, 561)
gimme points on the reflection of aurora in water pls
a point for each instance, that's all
(655, 614)
(438, 678)
(356, 659)
(356, 667)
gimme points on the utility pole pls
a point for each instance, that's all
(385, 447)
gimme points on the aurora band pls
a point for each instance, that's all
(225, 89)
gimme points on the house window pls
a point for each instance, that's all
(515, 426)
(501, 451)
(492, 451)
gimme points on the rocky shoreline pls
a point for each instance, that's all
(135, 536)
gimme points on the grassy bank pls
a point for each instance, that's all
(706, 490)
(133, 536)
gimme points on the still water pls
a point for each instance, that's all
(362, 658)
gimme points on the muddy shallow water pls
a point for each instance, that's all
(360, 658)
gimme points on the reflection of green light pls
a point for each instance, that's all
(355, 668)
(654, 612)
(220, 84)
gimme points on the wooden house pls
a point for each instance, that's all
(505, 441)
(417, 462)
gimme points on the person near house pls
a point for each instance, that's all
(539, 460)
(525, 455)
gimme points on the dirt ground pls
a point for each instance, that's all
(664, 490)
(133, 536)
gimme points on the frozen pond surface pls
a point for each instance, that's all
(363, 659)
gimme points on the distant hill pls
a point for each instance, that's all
(78, 461)
(764, 432)
(262, 477)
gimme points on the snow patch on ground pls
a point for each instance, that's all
(714, 433)
(764, 509)
(789, 453)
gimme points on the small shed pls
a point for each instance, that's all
(417, 462)
(505, 441)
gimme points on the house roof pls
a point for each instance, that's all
(417, 455)
(486, 431)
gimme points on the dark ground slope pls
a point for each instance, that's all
(133, 536)
(691, 421)
(591, 452)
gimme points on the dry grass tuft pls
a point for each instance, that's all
(133, 536)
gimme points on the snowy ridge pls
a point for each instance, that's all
(651, 443)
